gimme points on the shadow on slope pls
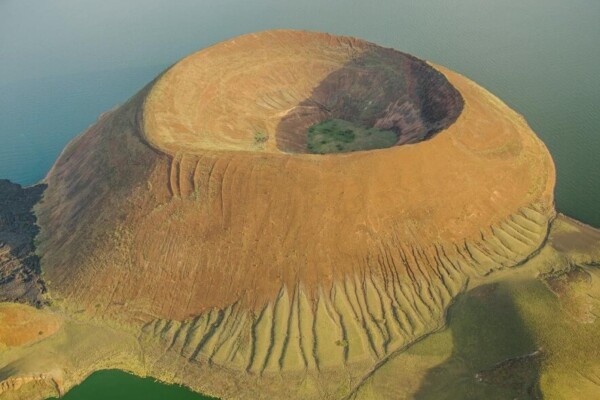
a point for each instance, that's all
(383, 89)
(494, 355)
(20, 279)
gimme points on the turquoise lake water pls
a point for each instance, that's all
(63, 62)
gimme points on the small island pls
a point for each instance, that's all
(299, 215)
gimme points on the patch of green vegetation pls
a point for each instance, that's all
(260, 138)
(341, 136)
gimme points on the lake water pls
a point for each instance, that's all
(63, 62)
(119, 385)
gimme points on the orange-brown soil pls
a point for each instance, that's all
(21, 324)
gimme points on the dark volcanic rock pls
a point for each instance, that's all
(20, 279)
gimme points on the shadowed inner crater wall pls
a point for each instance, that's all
(381, 98)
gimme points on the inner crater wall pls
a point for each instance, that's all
(381, 88)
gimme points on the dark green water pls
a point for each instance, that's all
(118, 385)
(63, 62)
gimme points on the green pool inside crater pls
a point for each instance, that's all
(340, 136)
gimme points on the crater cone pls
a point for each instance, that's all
(195, 216)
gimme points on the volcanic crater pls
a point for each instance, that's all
(281, 94)
(381, 88)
